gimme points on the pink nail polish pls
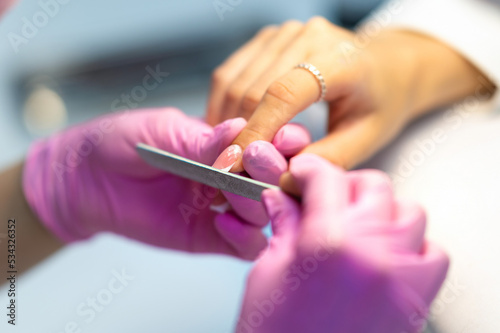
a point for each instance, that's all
(228, 158)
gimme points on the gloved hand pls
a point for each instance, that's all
(350, 258)
(266, 162)
(90, 179)
(4, 5)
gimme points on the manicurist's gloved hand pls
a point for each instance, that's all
(266, 162)
(89, 179)
(349, 258)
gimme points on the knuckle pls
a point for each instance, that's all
(253, 133)
(341, 161)
(234, 95)
(219, 77)
(376, 177)
(250, 101)
(317, 22)
(282, 91)
(267, 30)
(414, 211)
(292, 25)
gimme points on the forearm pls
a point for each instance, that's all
(33, 242)
(436, 74)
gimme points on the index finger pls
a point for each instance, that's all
(284, 99)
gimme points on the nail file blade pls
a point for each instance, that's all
(201, 173)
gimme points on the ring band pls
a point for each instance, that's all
(314, 71)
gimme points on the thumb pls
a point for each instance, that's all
(263, 162)
(285, 215)
(325, 193)
(291, 139)
(423, 272)
(350, 145)
(211, 145)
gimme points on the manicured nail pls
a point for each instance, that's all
(228, 158)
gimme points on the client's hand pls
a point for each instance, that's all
(90, 179)
(372, 90)
(350, 258)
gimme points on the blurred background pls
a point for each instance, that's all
(63, 63)
(83, 58)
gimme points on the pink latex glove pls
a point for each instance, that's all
(349, 259)
(4, 5)
(266, 162)
(89, 179)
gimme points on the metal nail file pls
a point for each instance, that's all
(202, 173)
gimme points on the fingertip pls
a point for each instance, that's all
(309, 159)
(238, 166)
(211, 117)
(307, 163)
(291, 139)
(233, 125)
(409, 211)
(370, 178)
(324, 187)
(270, 197)
(253, 212)
(263, 162)
(283, 211)
(228, 158)
(437, 254)
(173, 110)
(253, 149)
(218, 141)
(408, 228)
(288, 185)
(427, 272)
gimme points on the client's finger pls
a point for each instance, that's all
(264, 163)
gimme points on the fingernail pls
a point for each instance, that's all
(228, 158)
(221, 209)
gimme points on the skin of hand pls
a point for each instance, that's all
(372, 91)
(349, 258)
(89, 179)
(30, 241)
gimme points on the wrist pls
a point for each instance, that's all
(395, 64)
(431, 73)
(47, 190)
(33, 242)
